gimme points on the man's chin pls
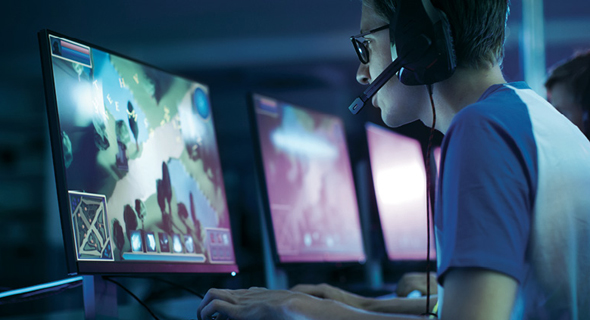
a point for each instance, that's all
(392, 123)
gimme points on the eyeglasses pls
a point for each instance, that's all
(359, 45)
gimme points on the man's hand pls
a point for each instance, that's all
(326, 291)
(253, 303)
(259, 303)
(416, 281)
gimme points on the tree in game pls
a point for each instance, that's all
(167, 184)
(196, 221)
(164, 190)
(130, 218)
(183, 214)
(166, 221)
(122, 132)
(141, 211)
(118, 237)
(133, 123)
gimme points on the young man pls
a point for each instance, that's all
(512, 216)
(568, 89)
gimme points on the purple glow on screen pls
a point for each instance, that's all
(399, 178)
(309, 182)
(436, 152)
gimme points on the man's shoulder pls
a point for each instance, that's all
(502, 104)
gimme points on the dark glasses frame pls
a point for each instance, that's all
(359, 46)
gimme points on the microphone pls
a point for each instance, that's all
(389, 72)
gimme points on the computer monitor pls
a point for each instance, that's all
(399, 179)
(137, 168)
(307, 183)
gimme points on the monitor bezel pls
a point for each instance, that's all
(74, 266)
(262, 189)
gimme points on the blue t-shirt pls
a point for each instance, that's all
(514, 197)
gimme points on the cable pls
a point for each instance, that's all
(168, 282)
(180, 286)
(429, 201)
(134, 296)
(174, 284)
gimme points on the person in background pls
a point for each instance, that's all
(512, 220)
(568, 89)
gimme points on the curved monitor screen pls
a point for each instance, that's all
(399, 178)
(309, 184)
(137, 165)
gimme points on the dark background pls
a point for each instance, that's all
(295, 50)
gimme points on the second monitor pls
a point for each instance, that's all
(307, 184)
(399, 178)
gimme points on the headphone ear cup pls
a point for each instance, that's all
(414, 23)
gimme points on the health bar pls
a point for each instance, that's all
(71, 51)
(75, 52)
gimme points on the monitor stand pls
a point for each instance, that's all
(100, 298)
(373, 267)
(276, 278)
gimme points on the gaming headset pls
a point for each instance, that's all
(421, 48)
